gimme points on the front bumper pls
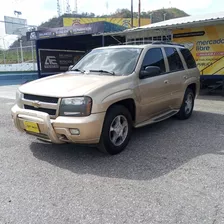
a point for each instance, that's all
(58, 130)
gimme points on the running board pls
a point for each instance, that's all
(157, 118)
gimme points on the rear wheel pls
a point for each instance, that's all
(116, 131)
(187, 105)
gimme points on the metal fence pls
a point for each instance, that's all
(26, 54)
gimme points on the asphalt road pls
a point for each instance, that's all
(171, 172)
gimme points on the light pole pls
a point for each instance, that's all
(17, 53)
(32, 46)
(21, 49)
(33, 28)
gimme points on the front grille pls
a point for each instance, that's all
(45, 104)
(45, 99)
(51, 112)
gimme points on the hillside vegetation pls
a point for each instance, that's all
(158, 15)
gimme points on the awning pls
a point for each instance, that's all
(183, 22)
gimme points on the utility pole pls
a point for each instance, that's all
(58, 7)
(132, 15)
(68, 8)
(139, 13)
(76, 6)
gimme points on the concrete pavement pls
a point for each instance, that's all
(171, 172)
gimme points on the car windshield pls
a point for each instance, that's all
(111, 61)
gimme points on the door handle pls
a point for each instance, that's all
(166, 81)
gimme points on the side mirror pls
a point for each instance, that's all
(150, 71)
(70, 67)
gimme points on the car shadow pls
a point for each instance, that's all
(154, 150)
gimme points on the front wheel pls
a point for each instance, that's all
(116, 131)
(187, 106)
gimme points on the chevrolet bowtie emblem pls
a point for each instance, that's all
(36, 104)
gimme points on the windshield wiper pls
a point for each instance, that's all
(78, 70)
(103, 71)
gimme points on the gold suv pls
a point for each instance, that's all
(107, 93)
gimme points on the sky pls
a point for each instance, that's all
(37, 11)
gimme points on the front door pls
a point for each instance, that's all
(154, 91)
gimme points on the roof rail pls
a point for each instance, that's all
(168, 43)
(149, 42)
(141, 42)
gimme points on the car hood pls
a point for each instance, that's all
(68, 84)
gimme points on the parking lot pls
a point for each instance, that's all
(171, 172)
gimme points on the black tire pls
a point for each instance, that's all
(184, 114)
(106, 145)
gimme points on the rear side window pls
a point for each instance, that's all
(174, 60)
(154, 57)
(188, 58)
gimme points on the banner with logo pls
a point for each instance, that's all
(207, 46)
(126, 22)
(57, 61)
(66, 31)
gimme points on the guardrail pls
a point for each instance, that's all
(28, 66)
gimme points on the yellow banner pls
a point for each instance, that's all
(207, 47)
(118, 21)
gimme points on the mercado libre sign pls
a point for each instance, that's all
(206, 44)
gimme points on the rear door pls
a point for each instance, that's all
(154, 91)
(193, 72)
(177, 72)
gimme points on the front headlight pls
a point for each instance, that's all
(76, 106)
(19, 97)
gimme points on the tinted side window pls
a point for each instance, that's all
(188, 58)
(154, 57)
(174, 59)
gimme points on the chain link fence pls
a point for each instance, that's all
(21, 58)
(26, 54)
